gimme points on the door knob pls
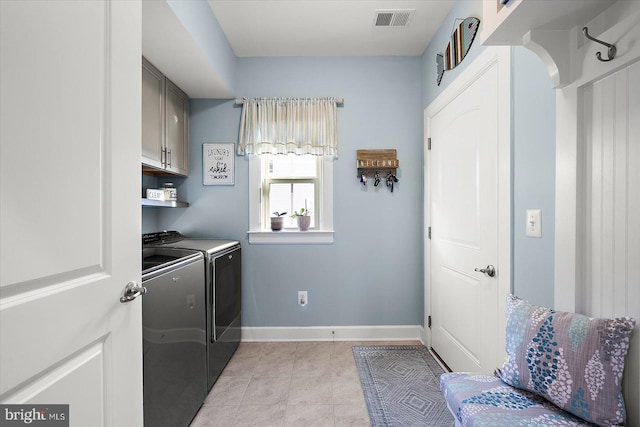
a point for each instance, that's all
(132, 291)
(489, 271)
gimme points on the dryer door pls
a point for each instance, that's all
(227, 300)
(225, 321)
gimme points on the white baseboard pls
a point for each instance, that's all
(334, 333)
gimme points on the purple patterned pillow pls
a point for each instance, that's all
(574, 361)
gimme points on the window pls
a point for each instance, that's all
(284, 183)
(291, 143)
(290, 183)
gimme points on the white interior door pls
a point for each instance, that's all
(69, 208)
(464, 207)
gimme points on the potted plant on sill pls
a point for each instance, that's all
(277, 220)
(303, 218)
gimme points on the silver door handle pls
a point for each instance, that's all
(489, 271)
(132, 291)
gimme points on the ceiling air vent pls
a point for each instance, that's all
(393, 18)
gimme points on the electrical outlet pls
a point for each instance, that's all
(303, 298)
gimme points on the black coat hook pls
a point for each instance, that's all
(611, 49)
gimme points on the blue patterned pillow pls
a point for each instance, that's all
(574, 361)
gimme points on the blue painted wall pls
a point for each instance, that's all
(149, 215)
(533, 151)
(534, 156)
(430, 89)
(372, 274)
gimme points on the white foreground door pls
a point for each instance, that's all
(69, 208)
(464, 211)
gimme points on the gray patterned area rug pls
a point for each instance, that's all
(401, 385)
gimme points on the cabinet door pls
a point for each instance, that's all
(177, 128)
(152, 115)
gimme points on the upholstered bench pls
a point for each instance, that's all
(482, 400)
(562, 369)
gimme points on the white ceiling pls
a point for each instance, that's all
(326, 27)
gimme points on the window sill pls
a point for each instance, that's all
(291, 237)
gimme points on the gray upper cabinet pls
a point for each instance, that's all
(176, 129)
(153, 83)
(165, 123)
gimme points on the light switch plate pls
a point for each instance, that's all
(534, 223)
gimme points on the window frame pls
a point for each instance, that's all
(259, 223)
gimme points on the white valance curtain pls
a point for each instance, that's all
(289, 125)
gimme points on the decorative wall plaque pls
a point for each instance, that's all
(461, 39)
(218, 164)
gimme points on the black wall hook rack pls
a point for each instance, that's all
(611, 49)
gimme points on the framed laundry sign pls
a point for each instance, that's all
(218, 166)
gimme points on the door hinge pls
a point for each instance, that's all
(428, 143)
(429, 233)
(429, 322)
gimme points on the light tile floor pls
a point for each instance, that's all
(289, 384)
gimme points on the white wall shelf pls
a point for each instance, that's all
(164, 203)
(545, 27)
